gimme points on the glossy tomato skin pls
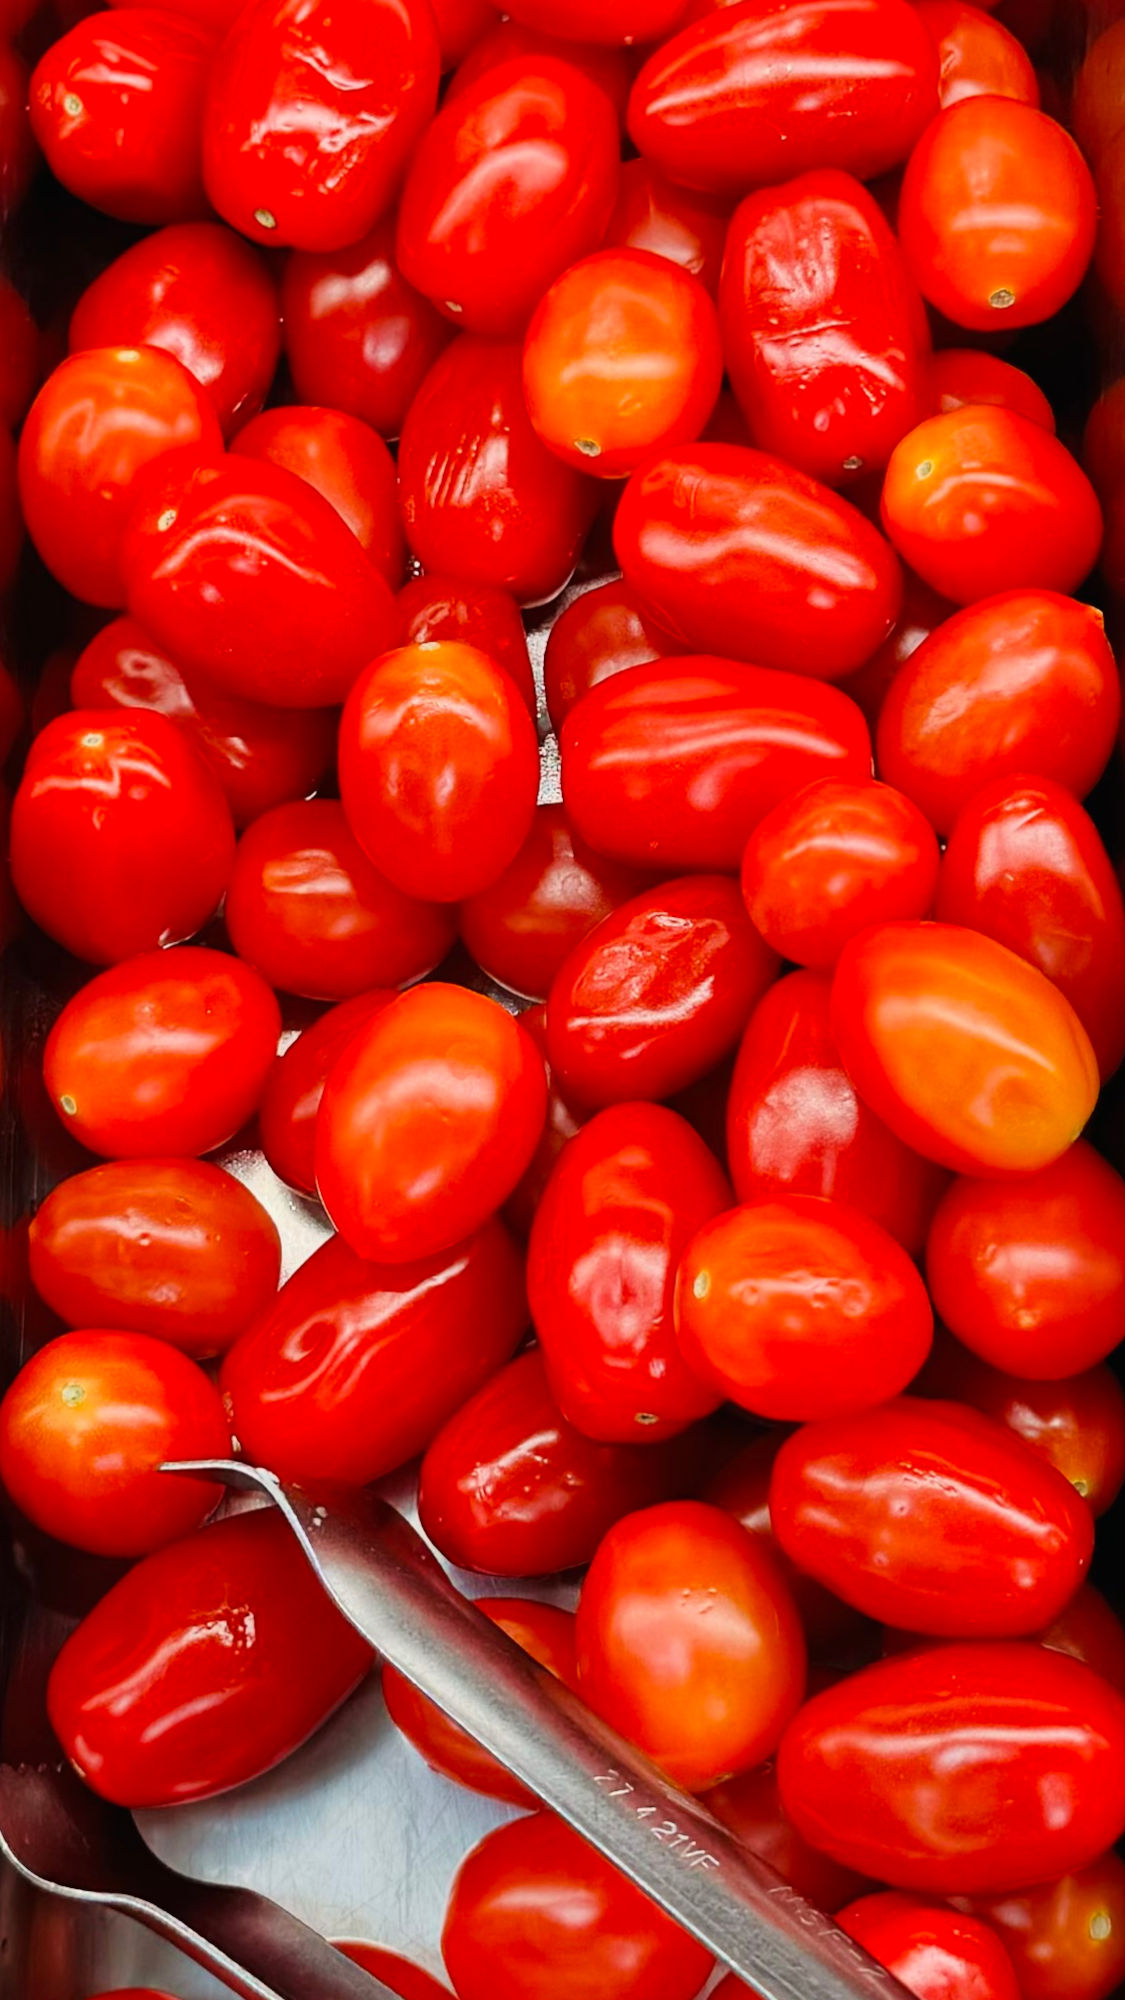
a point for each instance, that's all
(622, 21)
(609, 67)
(293, 631)
(355, 1366)
(510, 1488)
(176, 1249)
(960, 375)
(981, 500)
(824, 332)
(1019, 684)
(1031, 1274)
(515, 179)
(100, 417)
(600, 633)
(438, 607)
(997, 214)
(165, 1054)
(734, 551)
(230, 1656)
(673, 765)
(427, 1122)
(538, 1915)
(800, 1308)
(655, 214)
(295, 1085)
(979, 57)
(930, 1950)
(624, 1200)
(970, 1055)
(346, 462)
(963, 1768)
(308, 910)
(116, 105)
(1026, 865)
(311, 116)
(749, 1806)
(1066, 1939)
(201, 293)
(657, 993)
(121, 838)
(482, 498)
(85, 1428)
(438, 768)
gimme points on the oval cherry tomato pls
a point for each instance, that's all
(737, 552)
(673, 765)
(345, 461)
(354, 1367)
(311, 116)
(965, 1051)
(1086, 1629)
(482, 498)
(85, 1428)
(98, 419)
(959, 1769)
(824, 332)
(357, 336)
(308, 910)
(801, 1308)
(172, 1248)
(932, 1951)
(203, 1667)
(295, 1085)
(293, 629)
(623, 1202)
(403, 1977)
(1030, 1274)
(1103, 441)
(1066, 1939)
(655, 995)
(18, 153)
(1021, 683)
(624, 21)
(978, 56)
(600, 62)
(20, 351)
(117, 105)
(749, 1806)
(166, 1054)
(538, 1915)
(980, 500)
(201, 293)
(121, 839)
(600, 633)
(432, 608)
(960, 375)
(514, 180)
(1097, 104)
(654, 214)
(427, 1122)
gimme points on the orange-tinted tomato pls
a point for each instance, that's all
(600, 633)
(653, 213)
(960, 375)
(1066, 1939)
(979, 57)
(346, 462)
(475, 614)
(295, 1085)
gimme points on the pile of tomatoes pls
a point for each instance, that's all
(697, 1109)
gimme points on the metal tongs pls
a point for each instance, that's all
(382, 1577)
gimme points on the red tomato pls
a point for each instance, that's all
(979, 57)
(997, 212)
(482, 498)
(172, 1248)
(961, 1768)
(203, 1667)
(166, 1054)
(515, 179)
(18, 155)
(427, 1122)
(201, 293)
(689, 1642)
(357, 336)
(433, 608)
(824, 332)
(312, 114)
(981, 500)
(1021, 683)
(85, 1428)
(749, 95)
(1026, 866)
(543, 1631)
(347, 462)
(600, 633)
(439, 769)
(116, 105)
(673, 765)
(294, 629)
(600, 20)
(261, 756)
(657, 993)
(98, 419)
(654, 214)
(1098, 100)
(308, 910)
(932, 1951)
(960, 375)
(535, 1914)
(623, 1202)
(1030, 1274)
(522, 927)
(965, 1051)
(295, 1085)
(1103, 441)
(1066, 1939)
(832, 859)
(510, 1488)
(600, 62)
(19, 352)
(801, 1308)
(1107, 252)
(1088, 1630)
(400, 1974)
(121, 838)
(622, 358)
(749, 1806)
(355, 1366)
